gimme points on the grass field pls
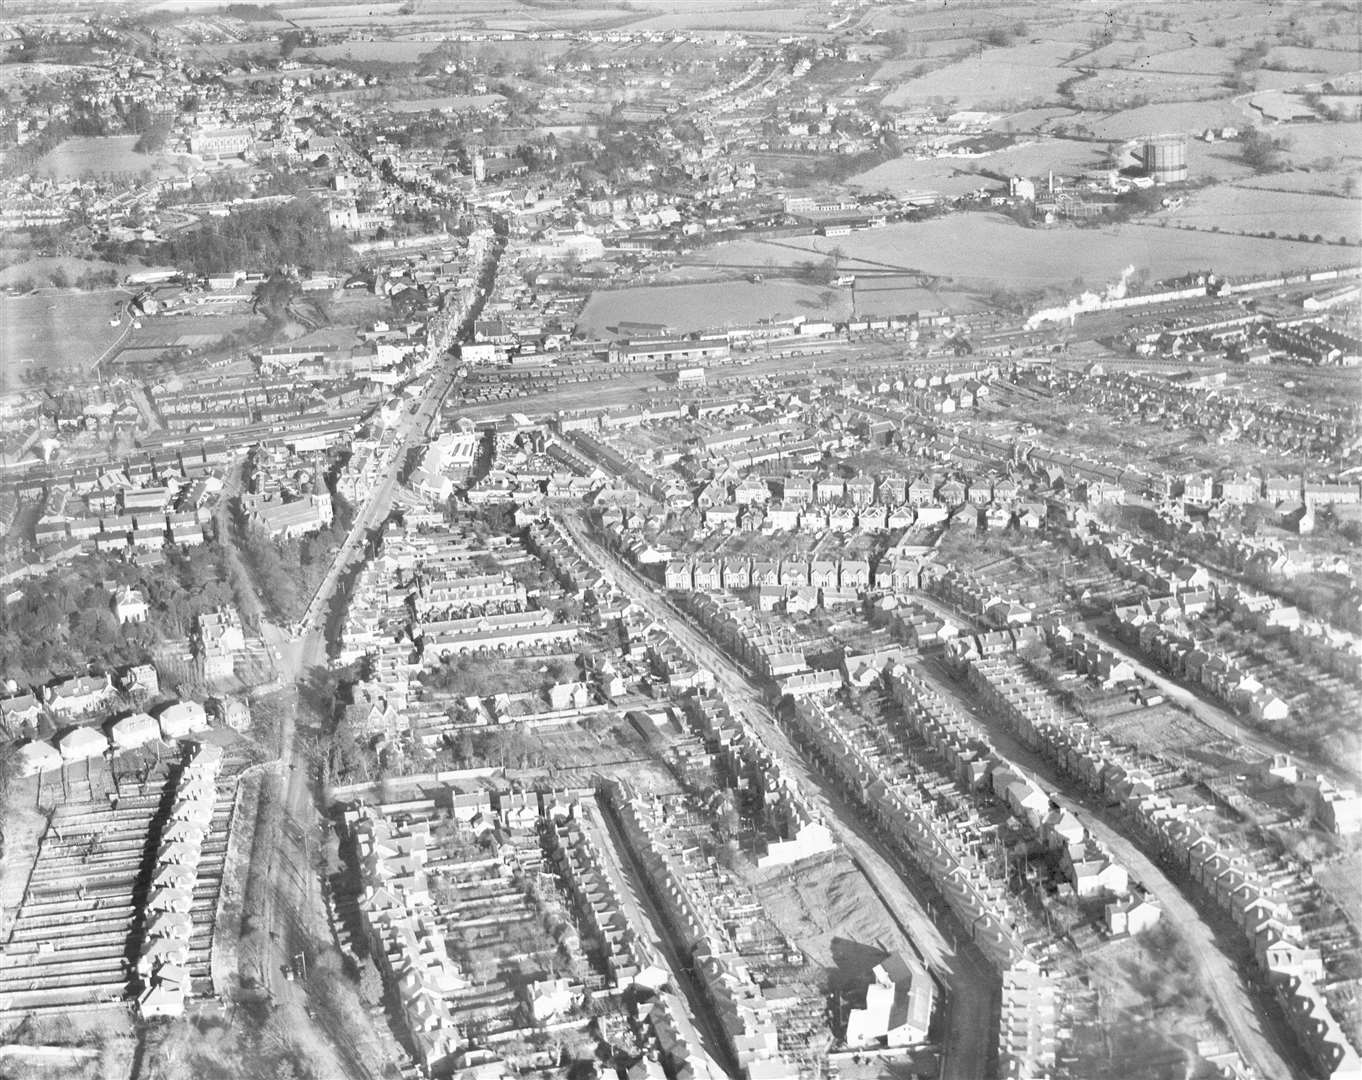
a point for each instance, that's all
(39, 270)
(111, 154)
(1008, 79)
(1278, 106)
(1247, 209)
(956, 176)
(1117, 89)
(1174, 116)
(988, 250)
(457, 102)
(59, 332)
(711, 306)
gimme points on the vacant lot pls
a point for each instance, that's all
(712, 306)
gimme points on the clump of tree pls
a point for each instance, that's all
(64, 622)
(1248, 60)
(1002, 36)
(294, 233)
(1261, 152)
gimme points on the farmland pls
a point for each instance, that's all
(1025, 77)
(1257, 209)
(989, 250)
(952, 176)
(699, 307)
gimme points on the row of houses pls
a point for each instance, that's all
(783, 517)
(549, 542)
(799, 831)
(1264, 893)
(1173, 646)
(708, 916)
(739, 632)
(177, 720)
(944, 834)
(739, 573)
(629, 959)
(1083, 860)
(163, 964)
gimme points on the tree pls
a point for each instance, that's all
(273, 296)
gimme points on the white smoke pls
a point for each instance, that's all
(1089, 301)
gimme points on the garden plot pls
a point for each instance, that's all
(80, 916)
(70, 935)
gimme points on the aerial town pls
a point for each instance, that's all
(680, 540)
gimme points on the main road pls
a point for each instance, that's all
(972, 986)
(290, 835)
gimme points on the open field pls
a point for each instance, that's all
(991, 250)
(952, 176)
(40, 269)
(1188, 117)
(1331, 61)
(457, 103)
(1117, 89)
(60, 332)
(1279, 106)
(392, 52)
(195, 331)
(989, 81)
(1033, 119)
(1307, 143)
(700, 307)
(108, 154)
(729, 17)
(1245, 209)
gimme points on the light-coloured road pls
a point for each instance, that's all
(971, 1009)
